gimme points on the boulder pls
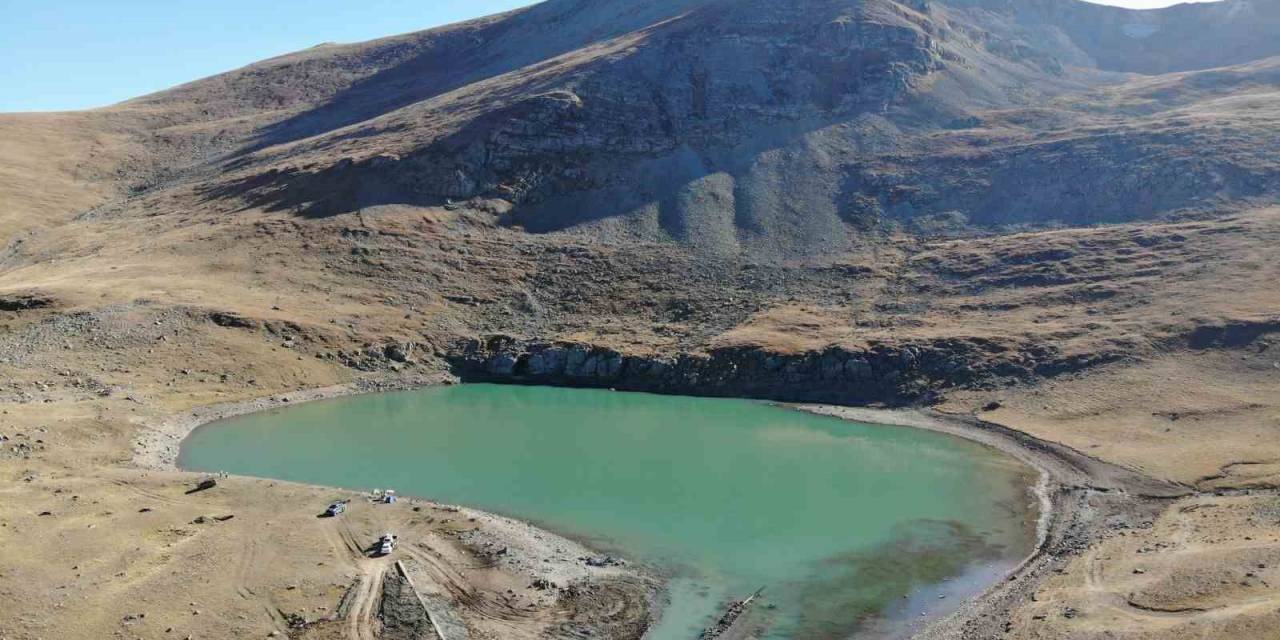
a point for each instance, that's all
(399, 352)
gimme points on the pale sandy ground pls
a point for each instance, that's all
(1205, 565)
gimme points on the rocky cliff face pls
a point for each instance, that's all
(681, 98)
(702, 82)
(892, 374)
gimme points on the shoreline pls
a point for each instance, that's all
(940, 423)
(538, 552)
(541, 555)
(1068, 490)
(158, 445)
(1064, 477)
(1048, 500)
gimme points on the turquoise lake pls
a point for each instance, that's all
(855, 530)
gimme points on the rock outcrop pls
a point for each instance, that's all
(877, 374)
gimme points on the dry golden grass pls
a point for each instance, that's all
(1186, 417)
(1208, 567)
(791, 330)
(54, 166)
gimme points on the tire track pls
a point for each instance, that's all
(362, 622)
(146, 493)
(459, 590)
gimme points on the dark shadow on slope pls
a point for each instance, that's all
(453, 57)
(439, 65)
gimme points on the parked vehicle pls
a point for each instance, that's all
(335, 509)
(386, 544)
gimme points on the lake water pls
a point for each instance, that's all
(855, 530)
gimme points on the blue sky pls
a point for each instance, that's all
(76, 54)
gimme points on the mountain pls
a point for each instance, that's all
(1185, 37)
(693, 176)
(953, 195)
(774, 128)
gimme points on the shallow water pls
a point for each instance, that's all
(854, 530)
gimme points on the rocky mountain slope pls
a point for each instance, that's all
(681, 177)
(1185, 37)
(538, 174)
(781, 129)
